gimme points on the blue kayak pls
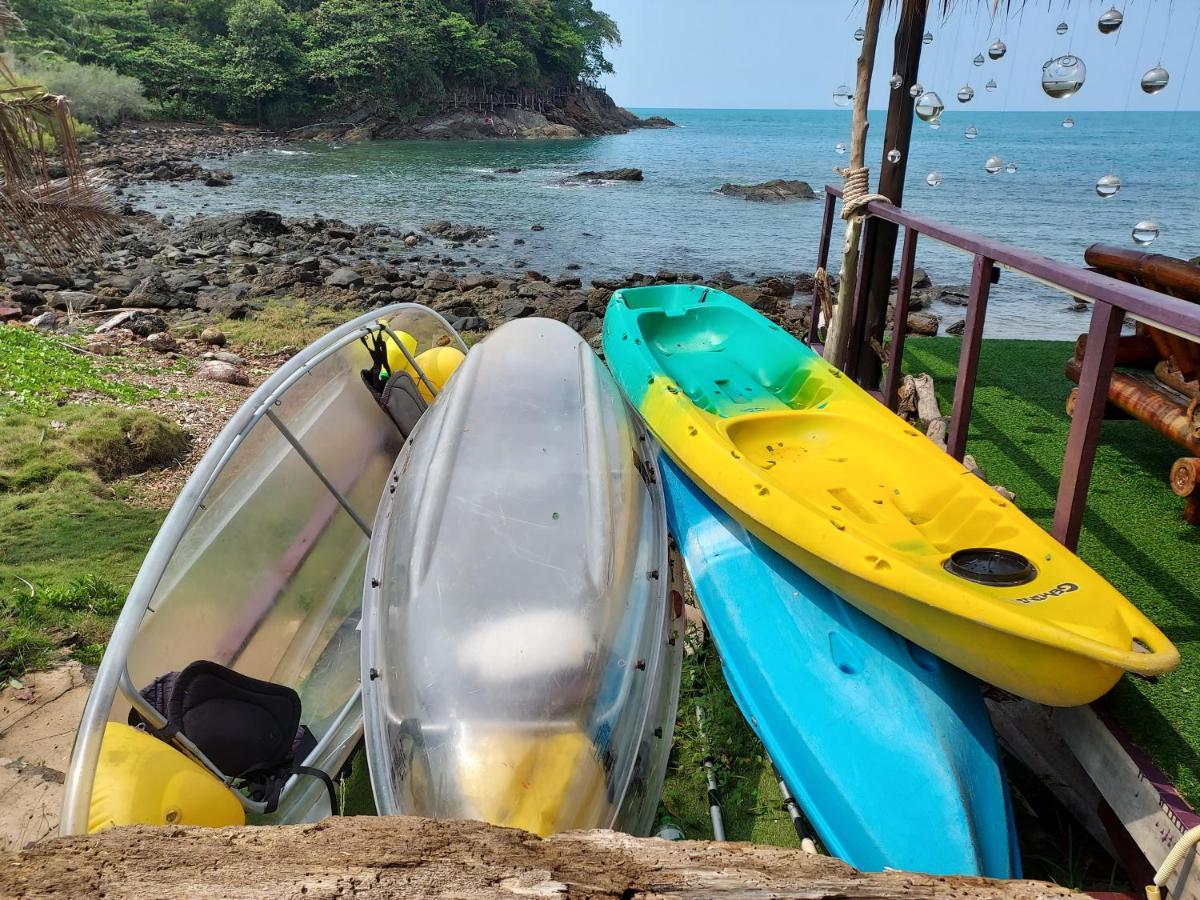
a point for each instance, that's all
(888, 750)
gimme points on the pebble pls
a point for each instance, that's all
(218, 370)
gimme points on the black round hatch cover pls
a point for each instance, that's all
(986, 565)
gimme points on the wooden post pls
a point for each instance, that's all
(1085, 424)
(968, 357)
(900, 318)
(814, 334)
(879, 245)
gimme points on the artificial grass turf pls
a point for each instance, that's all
(1133, 532)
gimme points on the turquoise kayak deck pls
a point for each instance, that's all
(888, 750)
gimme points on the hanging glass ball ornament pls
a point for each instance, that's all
(843, 96)
(1011, 168)
(927, 38)
(840, 148)
(929, 107)
(916, 90)
(1108, 185)
(934, 178)
(1155, 80)
(966, 93)
(997, 50)
(1110, 21)
(971, 133)
(1145, 232)
(895, 81)
(979, 60)
(1062, 28)
(893, 156)
(1063, 76)
(1068, 122)
(993, 165)
(859, 35)
(991, 85)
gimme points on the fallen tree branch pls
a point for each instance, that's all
(410, 857)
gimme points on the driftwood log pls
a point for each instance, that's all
(410, 857)
(1185, 482)
(1170, 418)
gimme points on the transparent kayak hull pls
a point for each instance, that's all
(520, 651)
(259, 564)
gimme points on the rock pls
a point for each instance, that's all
(102, 346)
(440, 281)
(226, 357)
(238, 248)
(775, 191)
(47, 321)
(469, 323)
(586, 323)
(344, 277)
(35, 278)
(752, 295)
(515, 309)
(75, 301)
(213, 336)
(656, 122)
(608, 175)
(152, 291)
(10, 313)
(471, 282)
(146, 324)
(261, 248)
(958, 327)
(723, 279)
(218, 178)
(569, 283)
(508, 170)
(921, 279)
(777, 287)
(921, 323)
(27, 297)
(537, 290)
(217, 370)
(161, 341)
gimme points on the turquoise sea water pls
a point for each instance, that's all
(674, 220)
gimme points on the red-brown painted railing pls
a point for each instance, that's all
(1111, 301)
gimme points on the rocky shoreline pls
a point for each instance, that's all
(160, 279)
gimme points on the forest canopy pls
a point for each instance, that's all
(287, 60)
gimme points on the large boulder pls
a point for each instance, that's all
(776, 191)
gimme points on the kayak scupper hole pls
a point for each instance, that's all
(848, 661)
(762, 490)
(692, 430)
(835, 506)
(735, 454)
(840, 526)
(1140, 646)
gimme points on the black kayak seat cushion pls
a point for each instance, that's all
(241, 724)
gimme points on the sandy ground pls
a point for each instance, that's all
(37, 729)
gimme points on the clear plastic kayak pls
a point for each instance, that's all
(521, 651)
(258, 566)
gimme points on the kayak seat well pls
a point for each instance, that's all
(724, 365)
(851, 470)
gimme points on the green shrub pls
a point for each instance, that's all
(97, 96)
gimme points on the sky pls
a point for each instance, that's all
(792, 54)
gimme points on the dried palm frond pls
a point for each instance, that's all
(46, 215)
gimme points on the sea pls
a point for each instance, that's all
(675, 220)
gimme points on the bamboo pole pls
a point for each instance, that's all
(837, 343)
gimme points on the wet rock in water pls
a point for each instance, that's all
(217, 370)
(777, 191)
(508, 170)
(161, 341)
(537, 227)
(607, 175)
(569, 283)
(958, 327)
(462, 233)
(922, 323)
(657, 122)
(146, 324)
(344, 277)
(218, 178)
(212, 336)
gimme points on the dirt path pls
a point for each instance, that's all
(37, 729)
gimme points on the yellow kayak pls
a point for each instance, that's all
(830, 479)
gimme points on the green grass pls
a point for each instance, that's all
(1133, 532)
(286, 323)
(39, 373)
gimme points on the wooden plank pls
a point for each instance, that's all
(1142, 798)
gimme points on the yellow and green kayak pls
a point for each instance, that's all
(830, 479)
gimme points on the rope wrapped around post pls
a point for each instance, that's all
(855, 186)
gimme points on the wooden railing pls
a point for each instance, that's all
(1111, 300)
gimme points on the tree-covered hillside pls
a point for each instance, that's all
(283, 60)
